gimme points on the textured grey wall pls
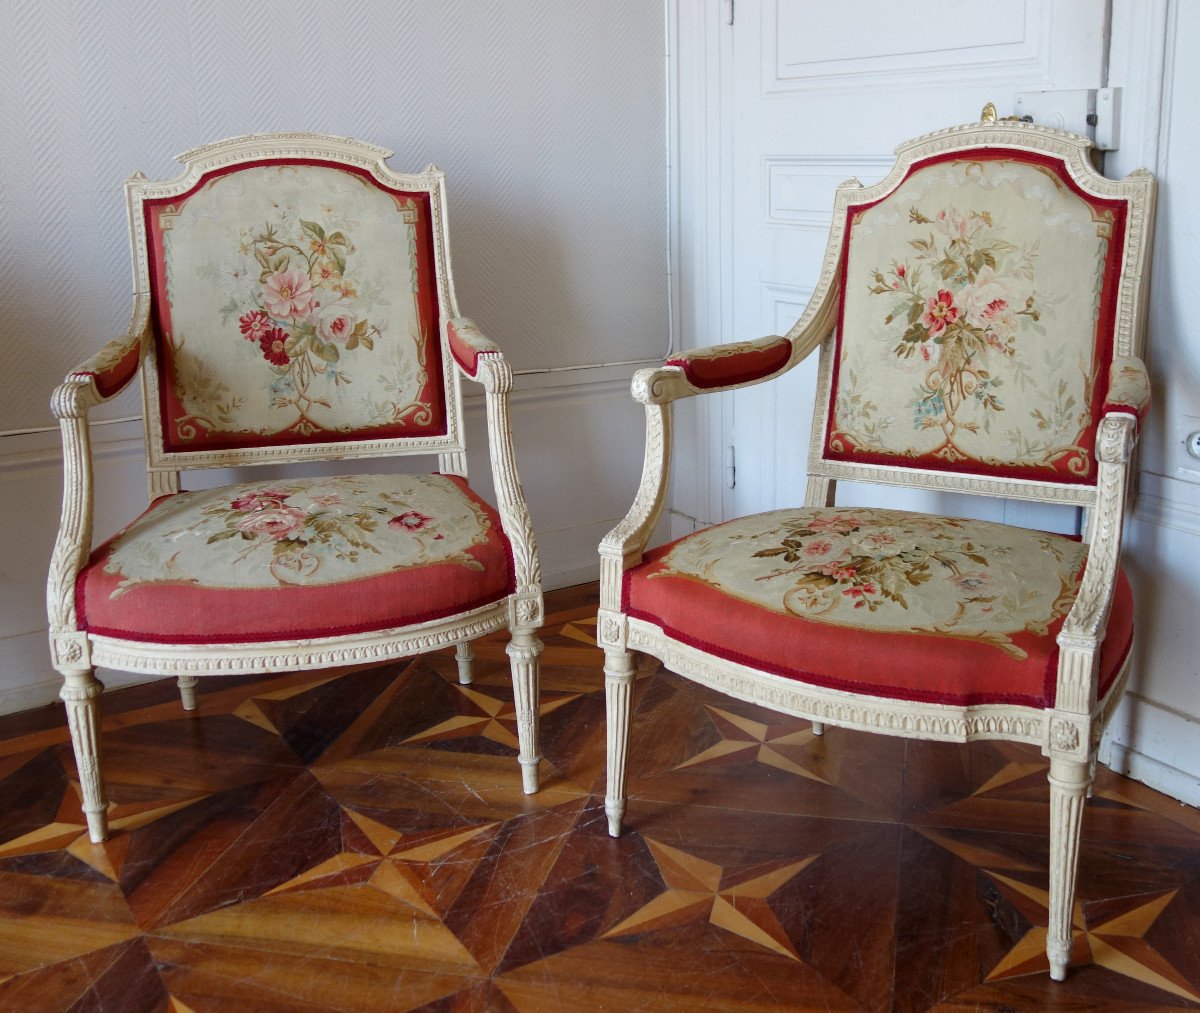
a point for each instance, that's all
(547, 116)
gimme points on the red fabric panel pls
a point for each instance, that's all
(169, 407)
(185, 614)
(919, 667)
(466, 353)
(726, 370)
(1106, 316)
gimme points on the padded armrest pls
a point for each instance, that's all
(1128, 388)
(719, 367)
(468, 343)
(113, 366)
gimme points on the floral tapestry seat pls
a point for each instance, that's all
(885, 602)
(303, 558)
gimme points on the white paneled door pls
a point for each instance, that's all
(814, 93)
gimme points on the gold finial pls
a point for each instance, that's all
(989, 113)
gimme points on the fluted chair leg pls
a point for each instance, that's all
(187, 691)
(523, 651)
(1069, 782)
(619, 671)
(464, 655)
(80, 692)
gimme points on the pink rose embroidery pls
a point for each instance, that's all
(260, 499)
(254, 325)
(411, 520)
(336, 323)
(289, 295)
(940, 312)
(275, 522)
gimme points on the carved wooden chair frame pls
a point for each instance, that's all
(76, 652)
(1070, 732)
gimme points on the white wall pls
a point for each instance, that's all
(548, 119)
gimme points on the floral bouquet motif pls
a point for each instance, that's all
(963, 299)
(305, 318)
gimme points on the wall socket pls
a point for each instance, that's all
(1192, 442)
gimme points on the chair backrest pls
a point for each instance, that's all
(298, 290)
(985, 286)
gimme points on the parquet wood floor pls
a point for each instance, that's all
(359, 841)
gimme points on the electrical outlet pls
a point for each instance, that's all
(1193, 444)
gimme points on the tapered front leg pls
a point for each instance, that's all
(464, 655)
(80, 692)
(619, 669)
(1069, 782)
(187, 691)
(523, 650)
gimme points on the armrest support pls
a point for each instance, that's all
(1083, 630)
(494, 373)
(467, 343)
(623, 546)
(91, 383)
(1128, 388)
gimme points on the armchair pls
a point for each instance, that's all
(979, 317)
(293, 302)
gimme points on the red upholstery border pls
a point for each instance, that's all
(182, 613)
(730, 365)
(431, 393)
(467, 344)
(1103, 338)
(919, 667)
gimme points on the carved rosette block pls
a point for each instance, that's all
(523, 651)
(619, 673)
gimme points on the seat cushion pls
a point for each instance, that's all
(306, 558)
(884, 602)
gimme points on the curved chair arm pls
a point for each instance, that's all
(1083, 630)
(93, 382)
(489, 368)
(1128, 388)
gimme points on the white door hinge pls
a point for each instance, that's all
(727, 11)
(730, 468)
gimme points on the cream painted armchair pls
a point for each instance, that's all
(293, 302)
(979, 318)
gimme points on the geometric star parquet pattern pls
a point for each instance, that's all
(358, 840)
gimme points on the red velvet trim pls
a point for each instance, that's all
(180, 613)
(891, 666)
(111, 380)
(1105, 317)
(705, 372)
(431, 393)
(465, 354)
